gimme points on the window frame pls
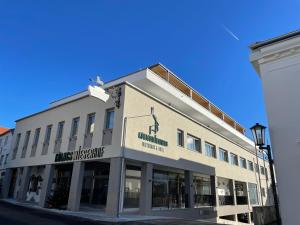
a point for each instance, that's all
(243, 165)
(212, 154)
(237, 159)
(180, 143)
(72, 132)
(48, 134)
(194, 138)
(226, 158)
(107, 124)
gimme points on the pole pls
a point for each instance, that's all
(257, 164)
(122, 169)
(276, 203)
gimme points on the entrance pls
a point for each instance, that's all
(95, 184)
(13, 183)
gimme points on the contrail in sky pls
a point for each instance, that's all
(230, 32)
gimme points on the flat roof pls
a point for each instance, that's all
(271, 41)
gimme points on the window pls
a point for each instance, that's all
(263, 192)
(243, 163)
(132, 186)
(250, 165)
(15, 150)
(180, 137)
(262, 170)
(60, 128)
(75, 125)
(256, 168)
(210, 150)
(253, 193)
(36, 136)
(0, 142)
(25, 144)
(234, 159)
(266, 172)
(6, 140)
(168, 189)
(1, 159)
(5, 161)
(223, 155)
(193, 143)
(110, 114)
(48, 135)
(90, 123)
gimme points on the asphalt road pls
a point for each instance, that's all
(11, 214)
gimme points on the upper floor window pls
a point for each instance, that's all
(1, 159)
(180, 138)
(243, 163)
(250, 165)
(25, 144)
(256, 168)
(6, 140)
(193, 143)
(15, 150)
(74, 128)
(0, 142)
(223, 155)
(110, 114)
(90, 123)
(234, 159)
(262, 170)
(210, 150)
(60, 129)
(48, 134)
(36, 136)
(6, 157)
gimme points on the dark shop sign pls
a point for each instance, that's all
(81, 154)
(152, 139)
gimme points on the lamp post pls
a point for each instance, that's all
(259, 135)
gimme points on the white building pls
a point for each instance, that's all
(277, 61)
(5, 148)
(154, 147)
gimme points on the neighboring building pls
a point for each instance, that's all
(166, 149)
(277, 61)
(6, 136)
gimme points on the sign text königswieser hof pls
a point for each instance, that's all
(81, 154)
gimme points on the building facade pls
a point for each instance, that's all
(277, 61)
(5, 147)
(149, 145)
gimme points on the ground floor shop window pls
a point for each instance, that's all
(132, 187)
(60, 187)
(95, 184)
(168, 189)
(202, 190)
(35, 185)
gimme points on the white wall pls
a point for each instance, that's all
(279, 67)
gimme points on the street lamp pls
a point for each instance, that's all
(259, 135)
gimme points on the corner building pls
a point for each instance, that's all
(147, 145)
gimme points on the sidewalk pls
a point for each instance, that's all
(98, 216)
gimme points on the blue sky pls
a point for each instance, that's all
(50, 49)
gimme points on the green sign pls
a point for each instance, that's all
(81, 154)
(152, 139)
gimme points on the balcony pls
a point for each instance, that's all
(226, 200)
(204, 200)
